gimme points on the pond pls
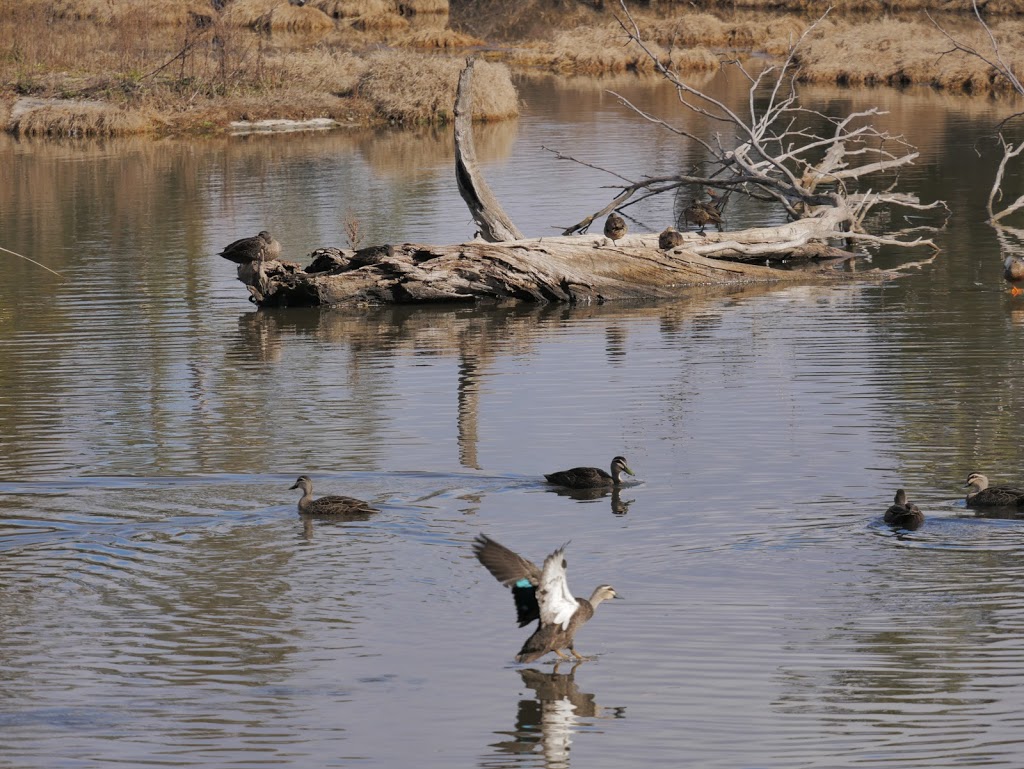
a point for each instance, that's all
(162, 604)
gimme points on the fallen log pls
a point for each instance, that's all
(577, 269)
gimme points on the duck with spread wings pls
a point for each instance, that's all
(541, 594)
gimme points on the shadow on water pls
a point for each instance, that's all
(547, 722)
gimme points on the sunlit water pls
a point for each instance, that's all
(161, 604)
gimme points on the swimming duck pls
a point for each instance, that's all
(331, 505)
(590, 477)
(259, 248)
(541, 594)
(614, 227)
(904, 514)
(992, 496)
(1013, 273)
(670, 238)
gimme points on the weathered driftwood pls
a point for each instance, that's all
(495, 225)
(557, 269)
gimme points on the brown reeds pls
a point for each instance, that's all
(277, 16)
(411, 7)
(607, 50)
(900, 53)
(437, 39)
(350, 9)
(149, 12)
(78, 120)
(407, 87)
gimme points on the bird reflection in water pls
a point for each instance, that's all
(619, 506)
(546, 723)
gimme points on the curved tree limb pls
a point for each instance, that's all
(495, 225)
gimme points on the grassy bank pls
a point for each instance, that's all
(105, 67)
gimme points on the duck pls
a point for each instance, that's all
(259, 248)
(904, 514)
(1013, 273)
(992, 496)
(591, 477)
(330, 505)
(614, 227)
(541, 594)
(702, 214)
(670, 238)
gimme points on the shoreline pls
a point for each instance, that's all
(216, 77)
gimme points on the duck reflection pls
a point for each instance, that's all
(547, 722)
(619, 506)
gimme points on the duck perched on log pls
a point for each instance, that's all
(904, 514)
(1013, 273)
(614, 227)
(590, 477)
(984, 495)
(330, 505)
(541, 594)
(258, 248)
(670, 238)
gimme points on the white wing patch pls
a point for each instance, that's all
(557, 604)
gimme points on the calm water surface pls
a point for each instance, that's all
(161, 604)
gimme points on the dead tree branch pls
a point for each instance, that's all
(774, 149)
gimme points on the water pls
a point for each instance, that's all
(161, 604)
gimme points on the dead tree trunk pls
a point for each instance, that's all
(495, 225)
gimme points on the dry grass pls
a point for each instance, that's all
(899, 53)
(381, 22)
(816, 7)
(277, 16)
(149, 12)
(437, 39)
(415, 88)
(81, 120)
(607, 50)
(350, 9)
(768, 33)
(412, 7)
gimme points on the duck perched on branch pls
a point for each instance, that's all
(904, 514)
(258, 248)
(330, 505)
(591, 477)
(541, 594)
(703, 213)
(984, 495)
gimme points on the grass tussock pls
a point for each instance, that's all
(414, 88)
(413, 7)
(437, 39)
(277, 16)
(81, 120)
(817, 7)
(607, 50)
(149, 12)
(900, 53)
(769, 34)
(351, 9)
(381, 22)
